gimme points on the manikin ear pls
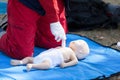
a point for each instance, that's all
(71, 43)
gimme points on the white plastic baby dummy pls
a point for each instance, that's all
(59, 56)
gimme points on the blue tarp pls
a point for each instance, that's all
(3, 6)
(101, 61)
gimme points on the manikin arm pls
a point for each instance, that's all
(73, 61)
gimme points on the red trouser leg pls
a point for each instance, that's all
(18, 42)
(54, 12)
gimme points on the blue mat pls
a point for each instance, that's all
(101, 61)
(3, 6)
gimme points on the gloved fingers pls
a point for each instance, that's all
(64, 37)
(63, 42)
(57, 38)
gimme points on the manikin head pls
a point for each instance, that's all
(80, 47)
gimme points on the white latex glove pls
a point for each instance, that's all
(59, 33)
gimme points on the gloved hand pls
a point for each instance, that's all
(59, 33)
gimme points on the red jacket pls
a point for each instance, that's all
(26, 29)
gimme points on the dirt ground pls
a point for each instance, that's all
(105, 37)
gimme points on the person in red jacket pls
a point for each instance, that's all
(31, 25)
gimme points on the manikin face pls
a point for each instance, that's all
(80, 47)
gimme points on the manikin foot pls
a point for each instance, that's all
(29, 66)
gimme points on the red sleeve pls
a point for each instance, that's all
(51, 8)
